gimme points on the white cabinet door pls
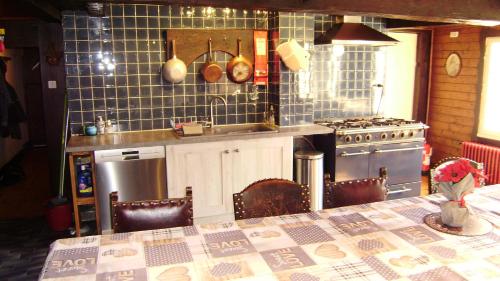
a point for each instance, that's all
(260, 159)
(216, 170)
(206, 167)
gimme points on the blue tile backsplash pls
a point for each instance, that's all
(113, 69)
(343, 79)
(295, 99)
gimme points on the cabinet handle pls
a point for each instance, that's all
(226, 151)
(404, 189)
(236, 150)
(397, 149)
(361, 152)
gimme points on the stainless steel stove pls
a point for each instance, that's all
(359, 147)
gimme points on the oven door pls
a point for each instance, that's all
(351, 163)
(402, 160)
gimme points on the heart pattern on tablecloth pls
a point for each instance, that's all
(329, 251)
(408, 261)
(177, 273)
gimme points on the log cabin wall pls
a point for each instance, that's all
(453, 100)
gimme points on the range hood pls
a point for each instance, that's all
(352, 32)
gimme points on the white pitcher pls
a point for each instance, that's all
(294, 56)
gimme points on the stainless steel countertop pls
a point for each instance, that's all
(169, 137)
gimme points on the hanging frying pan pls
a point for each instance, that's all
(239, 69)
(211, 71)
(174, 70)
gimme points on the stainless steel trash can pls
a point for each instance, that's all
(309, 170)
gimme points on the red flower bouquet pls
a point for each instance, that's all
(457, 170)
(456, 180)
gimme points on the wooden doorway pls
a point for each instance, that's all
(34, 97)
(422, 74)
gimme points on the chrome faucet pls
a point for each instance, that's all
(212, 122)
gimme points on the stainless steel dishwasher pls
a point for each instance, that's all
(136, 173)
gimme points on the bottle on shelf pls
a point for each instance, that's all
(78, 161)
(85, 188)
(270, 118)
(101, 125)
(109, 127)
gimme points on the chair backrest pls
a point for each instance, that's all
(445, 161)
(355, 192)
(271, 197)
(151, 214)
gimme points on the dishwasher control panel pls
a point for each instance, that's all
(124, 154)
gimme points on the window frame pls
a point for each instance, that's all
(486, 33)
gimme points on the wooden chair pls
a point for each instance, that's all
(151, 214)
(271, 197)
(446, 161)
(355, 192)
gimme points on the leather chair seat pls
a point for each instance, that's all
(271, 197)
(355, 192)
(151, 214)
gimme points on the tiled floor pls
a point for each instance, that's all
(24, 235)
(24, 244)
(28, 197)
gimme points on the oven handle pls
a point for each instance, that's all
(361, 152)
(404, 189)
(397, 149)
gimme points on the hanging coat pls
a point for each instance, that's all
(4, 103)
(11, 111)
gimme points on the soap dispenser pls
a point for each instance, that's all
(270, 118)
(100, 125)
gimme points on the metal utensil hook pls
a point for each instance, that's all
(210, 48)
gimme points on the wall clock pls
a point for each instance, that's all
(453, 64)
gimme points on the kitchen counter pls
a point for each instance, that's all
(169, 137)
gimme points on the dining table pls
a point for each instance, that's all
(385, 240)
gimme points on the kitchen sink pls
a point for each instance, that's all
(240, 129)
(244, 129)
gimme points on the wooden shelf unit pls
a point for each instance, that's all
(83, 201)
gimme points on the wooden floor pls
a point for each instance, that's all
(25, 237)
(28, 197)
(425, 186)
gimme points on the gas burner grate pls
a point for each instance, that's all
(392, 122)
(358, 123)
(362, 123)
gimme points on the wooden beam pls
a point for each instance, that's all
(47, 8)
(398, 24)
(477, 12)
(20, 33)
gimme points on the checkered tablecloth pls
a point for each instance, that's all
(379, 241)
